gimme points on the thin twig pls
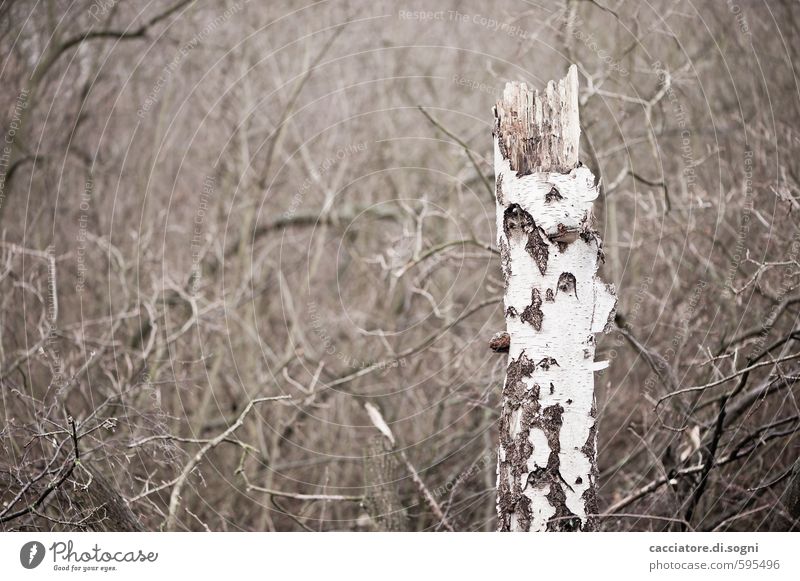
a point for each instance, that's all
(463, 145)
(54, 484)
(180, 481)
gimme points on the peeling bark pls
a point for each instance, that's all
(539, 133)
(533, 312)
(547, 466)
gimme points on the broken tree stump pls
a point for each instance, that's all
(554, 305)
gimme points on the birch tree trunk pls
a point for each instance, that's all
(554, 305)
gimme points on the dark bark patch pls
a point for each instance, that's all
(549, 296)
(567, 284)
(563, 519)
(522, 412)
(520, 367)
(515, 390)
(505, 262)
(547, 362)
(588, 235)
(525, 513)
(538, 250)
(519, 225)
(517, 222)
(533, 312)
(553, 196)
(589, 496)
(511, 312)
(516, 449)
(536, 476)
(498, 189)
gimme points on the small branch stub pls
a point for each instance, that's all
(554, 305)
(500, 342)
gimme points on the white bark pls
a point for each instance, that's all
(554, 304)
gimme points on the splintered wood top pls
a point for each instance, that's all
(540, 132)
